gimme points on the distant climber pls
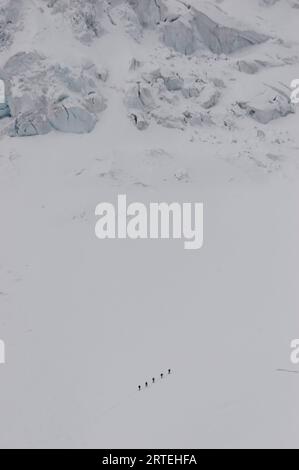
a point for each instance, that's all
(139, 387)
(169, 371)
(146, 384)
(161, 375)
(153, 380)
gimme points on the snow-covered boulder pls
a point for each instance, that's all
(174, 82)
(69, 117)
(264, 112)
(209, 96)
(30, 123)
(42, 96)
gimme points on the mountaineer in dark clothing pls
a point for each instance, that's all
(153, 380)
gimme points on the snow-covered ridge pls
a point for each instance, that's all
(203, 32)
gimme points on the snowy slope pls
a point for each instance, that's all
(84, 321)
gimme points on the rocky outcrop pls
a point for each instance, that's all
(170, 100)
(30, 123)
(42, 96)
(197, 31)
(184, 28)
